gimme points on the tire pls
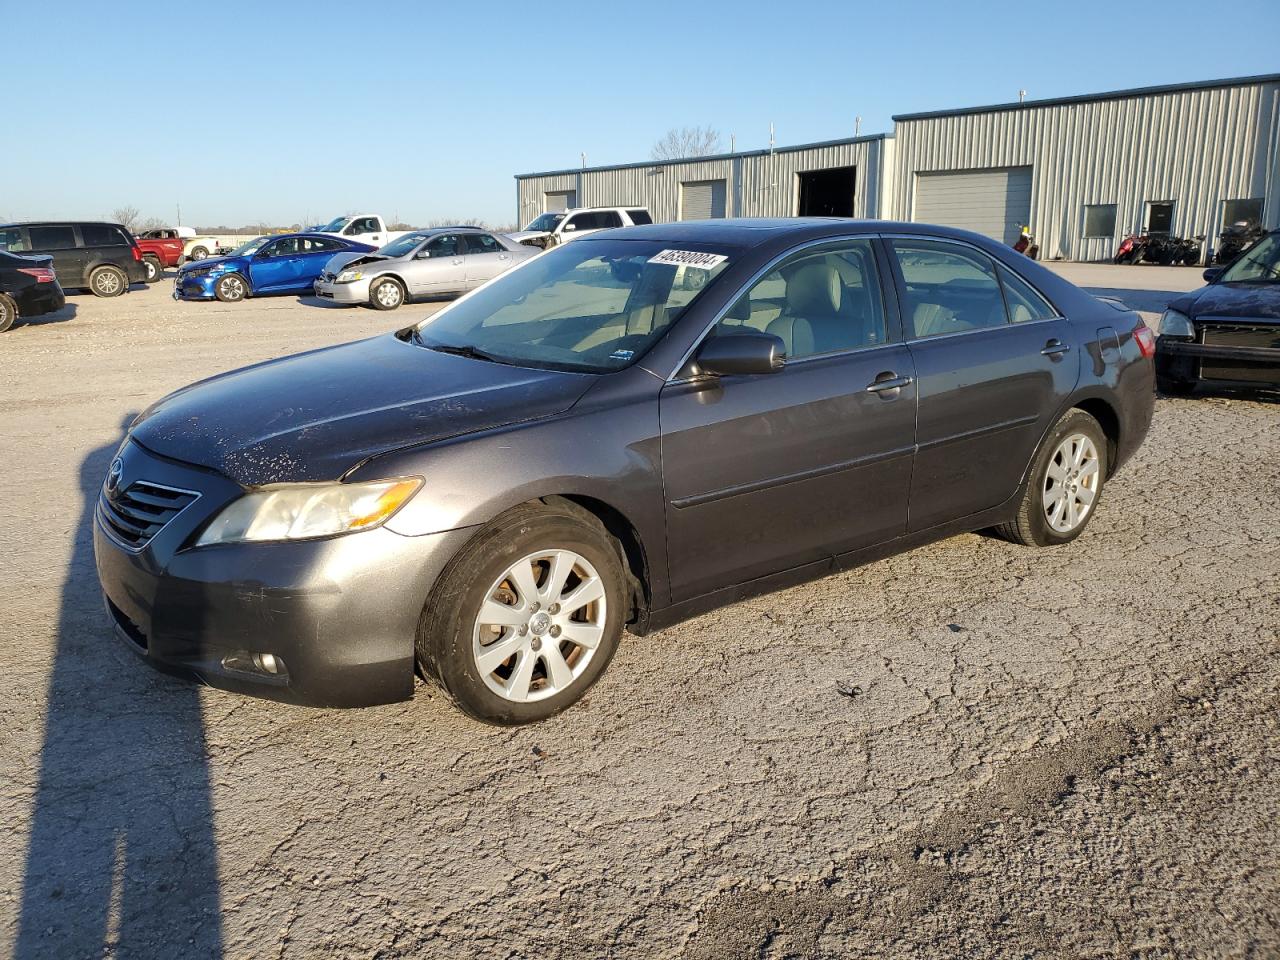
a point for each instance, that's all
(154, 268)
(1036, 523)
(231, 288)
(199, 253)
(108, 282)
(453, 635)
(8, 312)
(386, 294)
(1172, 387)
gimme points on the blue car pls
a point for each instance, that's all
(1227, 334)
(286, 263)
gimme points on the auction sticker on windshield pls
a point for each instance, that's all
(689, 258)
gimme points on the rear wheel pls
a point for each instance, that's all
(199, 253)
(231, 288)
(155, 270)
(1064, 484)
(8, 312)
(527, 616)
(108, 282)
(386, 294)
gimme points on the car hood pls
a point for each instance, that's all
(210, 262)
(1251, 301)
(340, 260)
(522, 235)
(314, 416)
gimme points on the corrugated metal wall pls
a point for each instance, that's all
(1197, 147)
(758, 184)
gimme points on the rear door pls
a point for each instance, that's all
(994, 362)
(486, 258)
(313, 254)
(59, 241)
(769, 472)
(439, 267)
(106, 243)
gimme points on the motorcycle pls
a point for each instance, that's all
(1026, 243)
(1162, 248)
(1131, 248)
(1233, 239)
(1187, 251)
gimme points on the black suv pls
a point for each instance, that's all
(101, 257)
(28, 288)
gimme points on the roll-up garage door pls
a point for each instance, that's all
(702, 199)
(990, 202)
(559, 202)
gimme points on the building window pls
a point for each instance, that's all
(1100, 220)
(1235, 211)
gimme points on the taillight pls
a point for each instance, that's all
(1145, 339)
(42, 274)
(137, 254)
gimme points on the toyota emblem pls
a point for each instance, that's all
(113, 475)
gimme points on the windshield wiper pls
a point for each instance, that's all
(474, 353)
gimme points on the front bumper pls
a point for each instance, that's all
(187, 287)
(355, 292)
(1190, 362)
(338, 615)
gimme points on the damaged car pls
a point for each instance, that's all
(425, 263)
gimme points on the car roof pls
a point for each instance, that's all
(753, 231)
(629, 206)
(62, 223)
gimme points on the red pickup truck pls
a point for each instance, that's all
(160, 249)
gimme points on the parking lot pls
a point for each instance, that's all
(975, 749)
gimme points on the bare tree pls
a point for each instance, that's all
(679, 143)
(127, 217)
(151, 223)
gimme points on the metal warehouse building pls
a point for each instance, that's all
(1082, 171)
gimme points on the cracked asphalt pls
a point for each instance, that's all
(1062, 753)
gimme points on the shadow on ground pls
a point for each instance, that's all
(121, 861)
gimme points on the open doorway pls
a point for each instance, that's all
(1160, 216)
(827, 193)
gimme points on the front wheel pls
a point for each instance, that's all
(154, 269)
(108, 282)
(527, 616)
(386, 294)
(231, 288)
(1064, 484)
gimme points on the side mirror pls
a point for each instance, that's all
(727, 354)
(1212, 274)
(570, 226)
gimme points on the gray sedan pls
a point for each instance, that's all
(426, 263)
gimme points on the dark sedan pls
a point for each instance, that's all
(1226, 334)
(616, 435)
(28, 288)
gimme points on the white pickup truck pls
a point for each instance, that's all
(362, 227)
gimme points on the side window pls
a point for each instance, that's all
(482, 243)
(639, 217)
(362, 225)
(579, 221)
(1023, 301)
(282, 248)
(444, 246)
(11, 239)
(950, 288)
(52, 238)
(608, 218)
(823, 300)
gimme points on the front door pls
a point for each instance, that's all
(767, 472)
(994, 362)
(439, 267)
(277, 266)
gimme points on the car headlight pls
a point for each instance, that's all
(1175, 324)
(307, 510)
(349, 276)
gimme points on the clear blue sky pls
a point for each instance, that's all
(280, 112)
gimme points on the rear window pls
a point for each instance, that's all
(52, 238)
(11, 239)
(102, 235)
(639, 216)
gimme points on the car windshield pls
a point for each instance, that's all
(592, 306)
(1259, 264)
(546, 222)
(245, 249)
(402, 246)
(334, 225)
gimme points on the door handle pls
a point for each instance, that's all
(889, 382)
(1055, 348)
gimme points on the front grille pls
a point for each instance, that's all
(1242, 334)
(140, 511)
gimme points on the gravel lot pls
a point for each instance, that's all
(1072, 752)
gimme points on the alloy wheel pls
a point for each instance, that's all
(232, 288)
(388, 294)
(539, 626)
(107, 283)
(1071, 483)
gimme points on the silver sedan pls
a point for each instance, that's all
(426, 263)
